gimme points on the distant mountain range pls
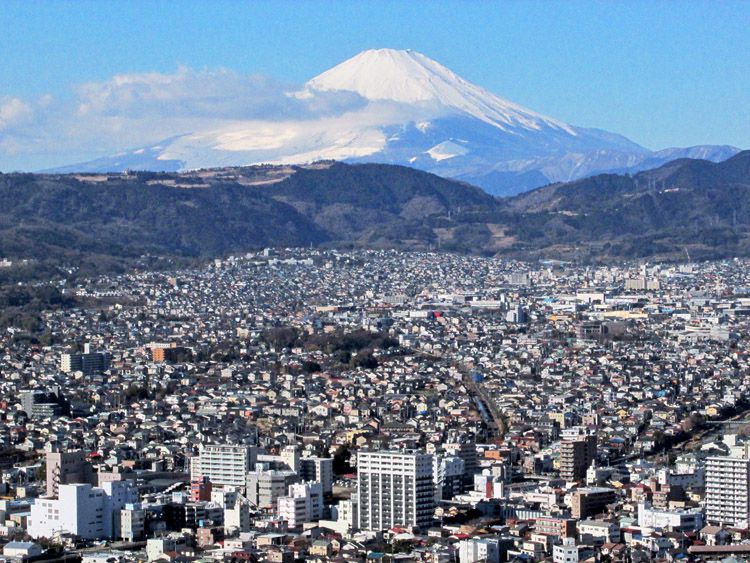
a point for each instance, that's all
(410, 110)
(686, 207)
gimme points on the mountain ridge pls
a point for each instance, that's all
(686, 204)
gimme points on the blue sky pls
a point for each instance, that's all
(662, 73)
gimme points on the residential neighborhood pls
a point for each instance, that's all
(377, 405)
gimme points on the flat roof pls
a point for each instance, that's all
(739, 548)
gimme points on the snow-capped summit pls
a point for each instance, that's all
(402, 107)
(412, 78)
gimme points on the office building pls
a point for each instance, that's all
(290, 458)
(85, 511)
(589, 501)
(39, 403)
(192, 515)
(516, 315)
(677, 520)
(236, 510)
(132, 523)
(394, 489)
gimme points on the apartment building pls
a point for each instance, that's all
(728, 491)
(303, 504)
(576, 455)
(395, 489)
(265, 486)
(223, 465)
(88, 363)
(64, 468)
(318, 469)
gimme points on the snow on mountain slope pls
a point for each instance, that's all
(412, 78)
(409, 110)
(446, 150)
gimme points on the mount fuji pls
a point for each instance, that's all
(413, 111)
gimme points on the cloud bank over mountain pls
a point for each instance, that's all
(130, 110)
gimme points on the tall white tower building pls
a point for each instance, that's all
(728, 491)
(395, 489)
(224, 464)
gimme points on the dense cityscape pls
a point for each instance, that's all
(380, 405)
(374, 282)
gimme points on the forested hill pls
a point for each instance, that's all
(696, 205)
(693, 204)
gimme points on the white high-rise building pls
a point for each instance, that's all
(80, 509)
(728, 491)
(346, 512)
(266, 486)
(224, 464)
(304, 504)
(395, 489)
(448, 476)
(463, 446)
(290, 457)
(132, 522)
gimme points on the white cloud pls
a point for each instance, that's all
(13, 111)
(219, 94)
(140, 109)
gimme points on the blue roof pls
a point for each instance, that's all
(20, 544)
